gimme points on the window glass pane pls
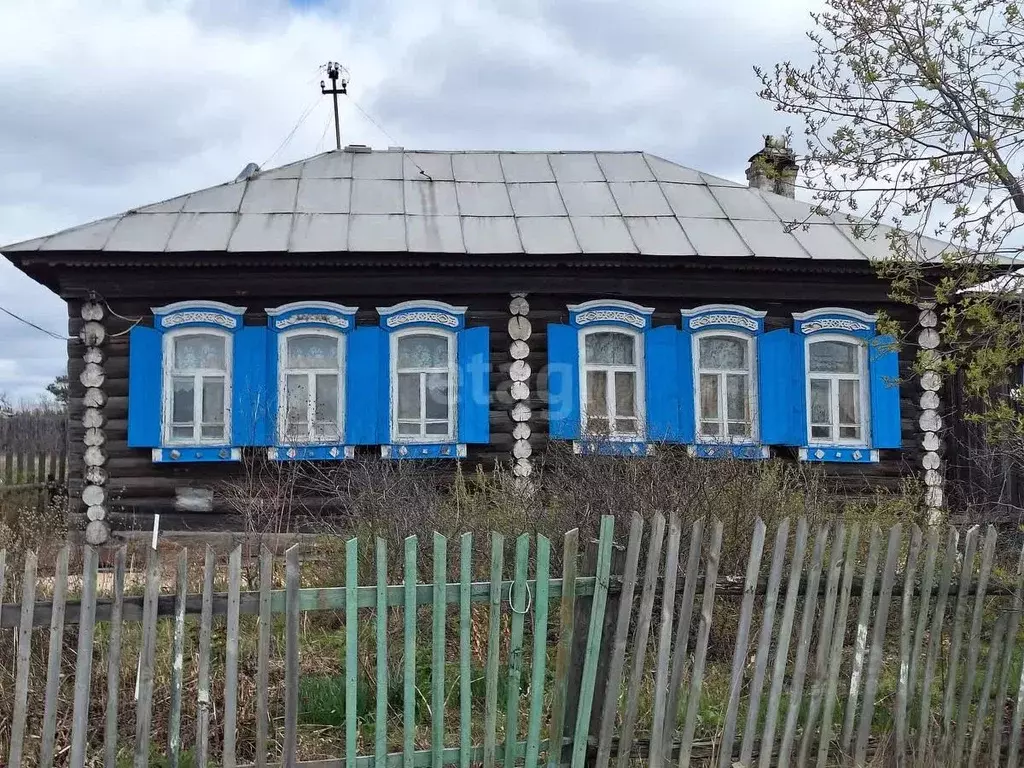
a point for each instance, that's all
(438, 428)
(709, 396)
(199, 351)
(723, 352)
(625, 393)
(737, 397)
(213, 400)
(297, 396)
(213, 432)
(626, 426)
(597, 395)
(609, 348)
(437, 395)
(408, 429)
(739, 429)
(408, 395)
(182, 400)
(423, 351)
(327, 406)
(821, 432)
(820, 406)
(312, 351)
(181, 432)
(710, 429)
(849, 396)
(834, 357)
(849, 433)
(598, 425)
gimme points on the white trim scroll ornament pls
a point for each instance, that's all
(337, 321)
(438, 318)
(723, 319)
(833, 324)
(197, 316)
(610, 315)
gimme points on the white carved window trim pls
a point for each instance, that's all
(722, 390)
(862, 377)
(637, 368)
(170, 371)
(453, 381)
(283, 371)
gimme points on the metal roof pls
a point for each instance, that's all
(549, 203)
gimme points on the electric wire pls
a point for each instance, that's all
(30, 324)
(388, 135)
(298, 124)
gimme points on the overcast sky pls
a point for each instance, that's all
(106, 105)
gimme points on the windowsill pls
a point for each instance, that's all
(187, 454)
(705, 450)
(335, 452)
(416, 450)
(846, 454)
(612, 446)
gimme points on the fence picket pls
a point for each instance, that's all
(906, 617)
(1013, 753)
(19, 714)
(53, 663)
(739, 655)
(641, 635)
(438, 640)
(263, 654)
(203, 683)
(986, 690)
(518, 604)
(860, 643)
(927, 583)
(493, 650)
(540, 645)
(291, 657)
(660, 725)
(764, 640)
(877, 644)
(803, 646)
(231, 658)
(828, 616)
(682, 633)
(352, 646)
(617, 648)
(177, 666)
(409, 652)
(1004, 673)
(114, 661)
(959, 615)
(935, 639)
(144, 700)
(567, 619)
(700, 651)
(767, 746)
(380, 735)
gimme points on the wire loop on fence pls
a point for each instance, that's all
(529, 599)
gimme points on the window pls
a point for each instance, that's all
(423, 385)
(197, 387)
(725, 392)
(836, 390)
(611, 383)
(311, 386)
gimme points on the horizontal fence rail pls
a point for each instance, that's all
(837, 644)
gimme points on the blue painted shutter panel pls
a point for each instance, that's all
(364, 390)
(775, 378)
(798, 384)
(884, 367)
(145, 377)
(563, 382)
(473, 394)
(661, 361)
(250, 388)
(685, 386)
(383, 387)
(273, 391)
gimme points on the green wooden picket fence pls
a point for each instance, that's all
(849, 638)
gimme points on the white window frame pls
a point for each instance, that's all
(865, 396)
(638, 368)
(283, 371)
(169, 372)
(453, 382)
(722, 390)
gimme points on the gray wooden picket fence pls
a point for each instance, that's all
(837, 645)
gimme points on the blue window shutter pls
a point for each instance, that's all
(365, 392)
(685, 385)
(563, 382)
(145, 377)
(383, 388)
(270, 399)
(884, 367)
(474, 392)
(661, 362)
(777, 412)
(798, 384)
(250, 405)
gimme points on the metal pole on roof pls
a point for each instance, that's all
(333, 73)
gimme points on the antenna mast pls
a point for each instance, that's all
(334, 73)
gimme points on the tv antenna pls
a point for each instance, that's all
(334, 70)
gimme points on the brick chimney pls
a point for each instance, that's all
(774, 168)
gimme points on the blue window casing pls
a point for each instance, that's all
(149, 397)
(880, 393)
(658, 404)
(738, 322)
(322, 318)
(469, 380)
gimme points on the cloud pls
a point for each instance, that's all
(109, 105)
